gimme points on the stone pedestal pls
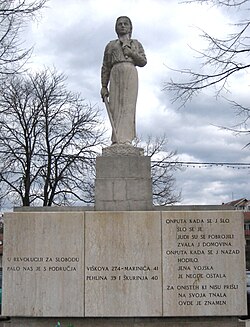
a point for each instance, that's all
(123, 180)
(124, 265)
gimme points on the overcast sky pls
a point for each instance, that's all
(71, 36)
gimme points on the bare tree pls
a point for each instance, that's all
(163, 165)
(13, 17)
(222, 59)
(48, 141)
(228, 3)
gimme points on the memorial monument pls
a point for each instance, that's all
(119, 71)
(123, 173)
(125, 263)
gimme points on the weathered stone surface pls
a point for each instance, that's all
(123, 167)
(123, 183)
(123, 205)
(123, 264)
(203, 263)
(43, 264)
(122, 150)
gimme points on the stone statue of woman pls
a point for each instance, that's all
(120, 74)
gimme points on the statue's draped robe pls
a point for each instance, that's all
(121, 74)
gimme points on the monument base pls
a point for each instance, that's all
(123, 180)
(122, 150)
(124, 265)
(127, 322)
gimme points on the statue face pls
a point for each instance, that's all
(123, 26)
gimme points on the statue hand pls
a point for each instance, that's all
(104, 92)
(127, 51)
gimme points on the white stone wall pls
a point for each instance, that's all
(124, 264)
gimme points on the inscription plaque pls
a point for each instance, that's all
(43, 264)
(203, 253)
(123, 264)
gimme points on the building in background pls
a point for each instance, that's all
(244, 205)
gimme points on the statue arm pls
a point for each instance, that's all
(105, 73)
(104, 80)
(138, 54)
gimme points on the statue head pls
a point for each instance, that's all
(123, 19)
